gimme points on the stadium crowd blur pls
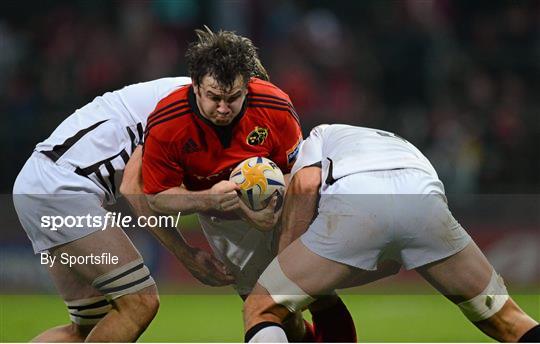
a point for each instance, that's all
(459, 79)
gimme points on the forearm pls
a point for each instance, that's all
(132, 189)
(179, 200)
(298, 213)
(174, 242)
(170, 237)
(202, 265)
(300, 205)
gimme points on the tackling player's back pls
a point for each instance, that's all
(343, 150)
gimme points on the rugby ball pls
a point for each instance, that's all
(259, 180)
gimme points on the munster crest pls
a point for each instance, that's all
(257, 136)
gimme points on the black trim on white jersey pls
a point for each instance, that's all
(132, 138)
(95, 167)
(103, 182)
(330, 178)
(110, 187)
(140, 132)
(111, 171)
(136, 140)
(62, 148)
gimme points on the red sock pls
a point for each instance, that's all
(334, 324)
(309, 337)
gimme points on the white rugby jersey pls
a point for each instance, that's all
(343, 150)
(97, 140)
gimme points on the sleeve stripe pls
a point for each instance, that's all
(280, 101)
(291, 108)
(270, 96)
(153, 119)
(156, 112)
(165, 119)
(288, 109)
(262, 100)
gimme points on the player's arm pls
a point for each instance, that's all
(201, 264)
(221, 197)
(300, 204)
(162, 179)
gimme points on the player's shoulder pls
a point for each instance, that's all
(270, 100)
(318, 130)
(167, 82)
(172, 113)
(158, 87)
(177, 96)
(261, 88)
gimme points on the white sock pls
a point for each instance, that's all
(270, 334)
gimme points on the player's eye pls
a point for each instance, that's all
(234, 98)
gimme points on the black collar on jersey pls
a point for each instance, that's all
(223, 132)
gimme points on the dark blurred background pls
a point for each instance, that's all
(459, 79)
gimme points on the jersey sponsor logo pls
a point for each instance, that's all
(293, 152)
(190, 147)
(257, 136)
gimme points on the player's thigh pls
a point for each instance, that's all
(461, 276)
(112, 242)
(70, 285)
(317, 275)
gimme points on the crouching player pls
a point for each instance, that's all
(379, 198)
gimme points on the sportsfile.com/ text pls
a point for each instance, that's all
(111, 219)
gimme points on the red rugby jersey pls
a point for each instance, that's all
(181, 146)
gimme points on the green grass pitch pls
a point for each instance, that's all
(218, 318)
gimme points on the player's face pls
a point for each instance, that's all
(220, 106)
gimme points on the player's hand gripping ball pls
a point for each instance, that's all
(259, 180)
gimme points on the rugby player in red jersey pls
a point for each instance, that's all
(199, 133)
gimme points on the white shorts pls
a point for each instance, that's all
(44, 189)
(245, 250)
(369, 217)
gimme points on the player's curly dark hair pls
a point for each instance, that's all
(223, 55)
